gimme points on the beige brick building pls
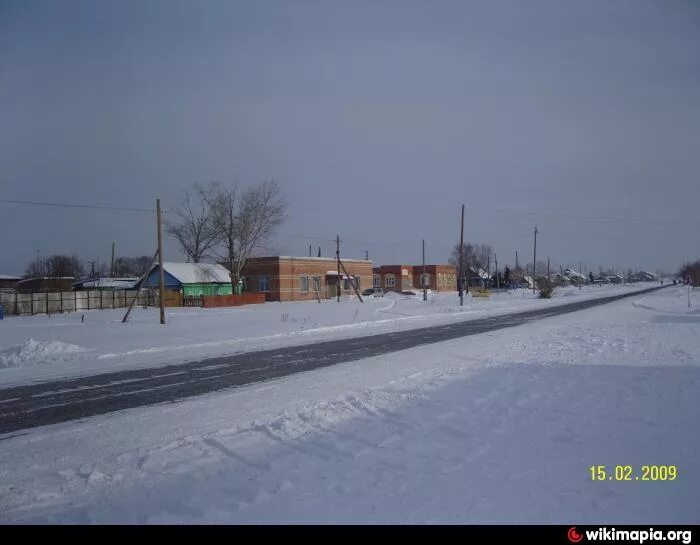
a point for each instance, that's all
(285, 278)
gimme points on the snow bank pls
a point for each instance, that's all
(495, 428)
(39, 352)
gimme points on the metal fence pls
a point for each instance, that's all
(74, 301)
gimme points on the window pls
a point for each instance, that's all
(304, 284)
(346, 283)
(357, 282)
(376, 281)
(390, 280)
(317, 283)
(425, 280)
(263, 283)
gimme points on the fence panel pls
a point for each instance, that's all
(77, 301)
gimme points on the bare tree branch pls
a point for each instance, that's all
(193, 226)
(245, 220)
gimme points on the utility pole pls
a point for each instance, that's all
(534, 264)
(498, 281)
(549, 275)
(111, 270)
(92, 268)
(161, 279)
(517, 267)
(309, 250)
(461, 261)
(425, 288)
(366, 255)
(488, 270)
(337, 257)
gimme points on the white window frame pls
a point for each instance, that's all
(264, 280)
(358, 280)
(390, 280)
(376, 281)
(304, 279)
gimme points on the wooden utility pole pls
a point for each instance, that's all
(111, 270)
(549, 275)
(138, 287)
(161, 277)
(337, 257)
(488, 270)
(498, 281)
(517, 267)
(354, 285)
(534, 264)
(425, 288)
(309, 250)
(461, 261)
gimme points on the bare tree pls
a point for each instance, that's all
(36, 268)
(692, 270)
(57, 265)
(245, 220)
(193, 224)
(132, 266)
(476, 256)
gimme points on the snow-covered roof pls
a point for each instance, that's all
(47, 278)
(9, 277)
(194, 273)
(481, 273)
(120, 283)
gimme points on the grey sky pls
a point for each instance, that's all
(378, 118)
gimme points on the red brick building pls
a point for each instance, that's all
(285, 278)
(439, 277)
(408, 277)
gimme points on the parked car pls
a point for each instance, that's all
(375, 292)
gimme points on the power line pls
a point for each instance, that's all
(73, 205)
(592, 218)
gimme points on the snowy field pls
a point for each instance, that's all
(39, 348)
(499, 427)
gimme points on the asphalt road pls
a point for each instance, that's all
(69, 399)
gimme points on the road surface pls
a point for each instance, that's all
(57, 401)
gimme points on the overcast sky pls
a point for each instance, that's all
(379, 119)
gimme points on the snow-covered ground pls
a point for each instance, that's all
(498, 427)
(39, 348)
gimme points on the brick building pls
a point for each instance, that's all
(439, 277)
(408, 277)
(285, 278)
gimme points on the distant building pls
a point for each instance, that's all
(396, 277)
(105, 284)
(439, 277)
(45, 284)
(8, 282)
(409, 277)
(192, 279)
(287, 278)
